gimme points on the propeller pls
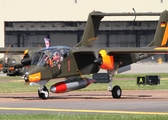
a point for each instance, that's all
(98, 61)
(5, 54)
(26, 60)
(92, 40)
(104, 61)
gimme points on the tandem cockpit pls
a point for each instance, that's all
(50, 57)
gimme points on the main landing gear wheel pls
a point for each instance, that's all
(116, 92)
(43, 93)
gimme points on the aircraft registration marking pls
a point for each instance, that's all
(84, 111)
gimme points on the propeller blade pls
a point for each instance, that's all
(92, 40)
(5, 54)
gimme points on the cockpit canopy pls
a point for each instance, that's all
(54, 54)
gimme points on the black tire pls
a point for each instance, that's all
(39, 94)
(116, 92)
(42, 95)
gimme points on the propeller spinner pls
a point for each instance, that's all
(104, 60)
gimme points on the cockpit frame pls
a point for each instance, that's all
(50, 56)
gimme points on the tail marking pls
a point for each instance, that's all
(165, 36)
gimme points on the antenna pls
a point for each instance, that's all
(132, 27)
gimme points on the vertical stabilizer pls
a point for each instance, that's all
(161, 34)
(91, 29)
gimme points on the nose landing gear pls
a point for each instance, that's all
(43, 92)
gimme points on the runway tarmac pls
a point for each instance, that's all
(132, 102)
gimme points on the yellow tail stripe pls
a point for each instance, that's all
(161, 48)
(165, 37)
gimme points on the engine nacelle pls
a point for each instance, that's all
(26, 61)
(107, 61)
(70, 85)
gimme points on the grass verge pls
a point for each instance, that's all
(18, 86)
(82, 117)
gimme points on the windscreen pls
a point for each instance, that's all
(50, 57)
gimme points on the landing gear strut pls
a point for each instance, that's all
(43, 92)
(116, 90)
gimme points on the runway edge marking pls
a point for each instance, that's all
(84, 111)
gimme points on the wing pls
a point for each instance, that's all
(15, 49)
(121, 55)
(122, 50)
(148, 50)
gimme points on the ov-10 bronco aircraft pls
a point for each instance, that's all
(10, 63)
(84, 59)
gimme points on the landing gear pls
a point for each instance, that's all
(43, 92)
(116, 90)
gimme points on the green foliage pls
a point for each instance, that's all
(125, 81)
(18, 86)
(59, 116)
(127, 85)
